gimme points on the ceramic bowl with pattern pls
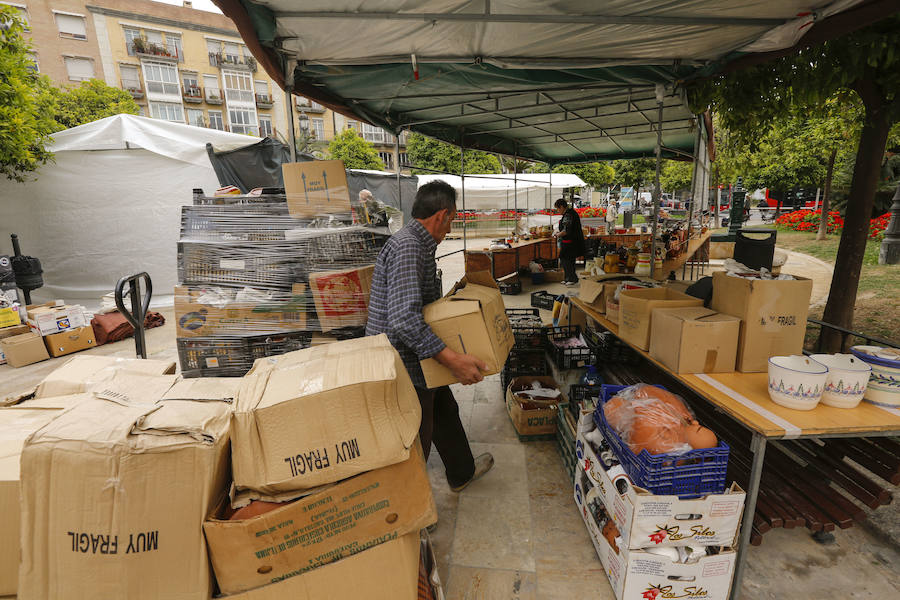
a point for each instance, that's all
(884, 382)
(848, 377)
(796, 381)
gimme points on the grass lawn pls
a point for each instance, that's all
(878, 297)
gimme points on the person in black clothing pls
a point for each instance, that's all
(571, 239)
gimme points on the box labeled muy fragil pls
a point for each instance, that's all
(114, 497)
(388, 571)
(315, 416)
(645, 519)
(470, 319)
(773, 316)
(338, 521)
(694, 339)
(640, 575)
(316, 187)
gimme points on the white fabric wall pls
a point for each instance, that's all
(93, 216)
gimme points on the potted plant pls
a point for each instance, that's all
(140, 45)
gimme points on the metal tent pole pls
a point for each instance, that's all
(462, 178)
(399, 187)
(656, 191)
(289, 101)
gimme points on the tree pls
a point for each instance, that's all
(436, 155)
(88, 102)
(636, 173)
(594, 174)
(866, 62)
(676, 175)
(24, 124)
(356, 152)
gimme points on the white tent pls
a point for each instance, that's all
(525, 191)
(109, 205)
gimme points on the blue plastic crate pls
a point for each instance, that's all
(689, 475)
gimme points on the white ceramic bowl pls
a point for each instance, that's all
(796, 381)
(848, 377)
(884, 383)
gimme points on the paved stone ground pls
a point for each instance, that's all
(516, 534)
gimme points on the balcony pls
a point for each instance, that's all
(308, 106)
(264, 101)
(232, 61)
(214, 96)
(193, 95)
(133, 87)
(144, 48)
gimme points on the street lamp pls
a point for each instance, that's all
(890, 247)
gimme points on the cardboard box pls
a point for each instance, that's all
(315, 416)
(570, 315)
(554, 275)
(537, 417)
(636, 574)
(636, 311)
(6, 332)
(24, 349)
(592, 293)
(317, 187)
(342, 297)
(48, 319)
(81, 373)
(16, 424)
(470, 319)
(195, 318)
(694, 340)
(69, 341)
(773, 316)
(9, 317)
(339, 521)
(114, 498)
(645, 519)
(388, 571)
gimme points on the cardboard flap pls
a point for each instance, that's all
(80, 373)
(690, 313)
(590, 290)
(94, 422)
(483, 278)
(204, 422)
(447, 309)
(223, 389)
(133, 388)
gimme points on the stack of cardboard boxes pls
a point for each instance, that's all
(50, 329)
(130, 478)
(263, 278)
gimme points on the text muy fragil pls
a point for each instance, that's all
(318, 459)
(99, 543)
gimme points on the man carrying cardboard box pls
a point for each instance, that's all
(405, 279)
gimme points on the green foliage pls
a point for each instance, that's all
(356, 152)
(640, 172)
(594, 174)
(430, 153)
(88, 102)
(676, 175)
(25, 125)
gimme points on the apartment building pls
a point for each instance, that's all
(179, 64)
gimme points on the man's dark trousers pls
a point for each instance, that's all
(441, 424)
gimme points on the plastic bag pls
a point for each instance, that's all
(650, 418)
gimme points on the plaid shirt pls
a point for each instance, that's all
(404, 281)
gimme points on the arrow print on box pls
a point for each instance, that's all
(305, 191)
(325, 179)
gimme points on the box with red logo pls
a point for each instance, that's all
(342, 297)
(655, 573)
(645, 519)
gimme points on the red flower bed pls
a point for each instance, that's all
(808, 220)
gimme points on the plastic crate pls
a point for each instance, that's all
(543, 300)
(526, 336)
(524, 363)
(567, 358)
(583, 396)
(510, 288)
(608, 348)
(232, 356)
(689, 475)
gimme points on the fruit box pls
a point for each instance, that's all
(645, 519)
(641, 575)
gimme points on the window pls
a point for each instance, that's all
(262, 90)
(403, 159)
(71, 26)
(318, 127)
(191, 84)
(79, 69)
(214, 48)
(167, 111)
(23, 15)
(34, 67)
(161, 78)
(173, 46)
(131, 80)
(265, 126)
(215, 120)
(351, 124)
(155, 37)
(242, 121)
(376, 135)
(195, 117)
(316, 106)
(142, 110)
(238, 86)
(130, 36)
(387, 158)
(232, 52)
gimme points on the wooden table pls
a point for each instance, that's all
(505, 261)
(673, 264)
(744, 397)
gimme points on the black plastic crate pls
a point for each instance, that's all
(567, 358)
(608, 348)
(233, 356)
(510, 288)
(524, 363)
(583, 396)
(543, 300)
(274, 344)
(526, 336)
